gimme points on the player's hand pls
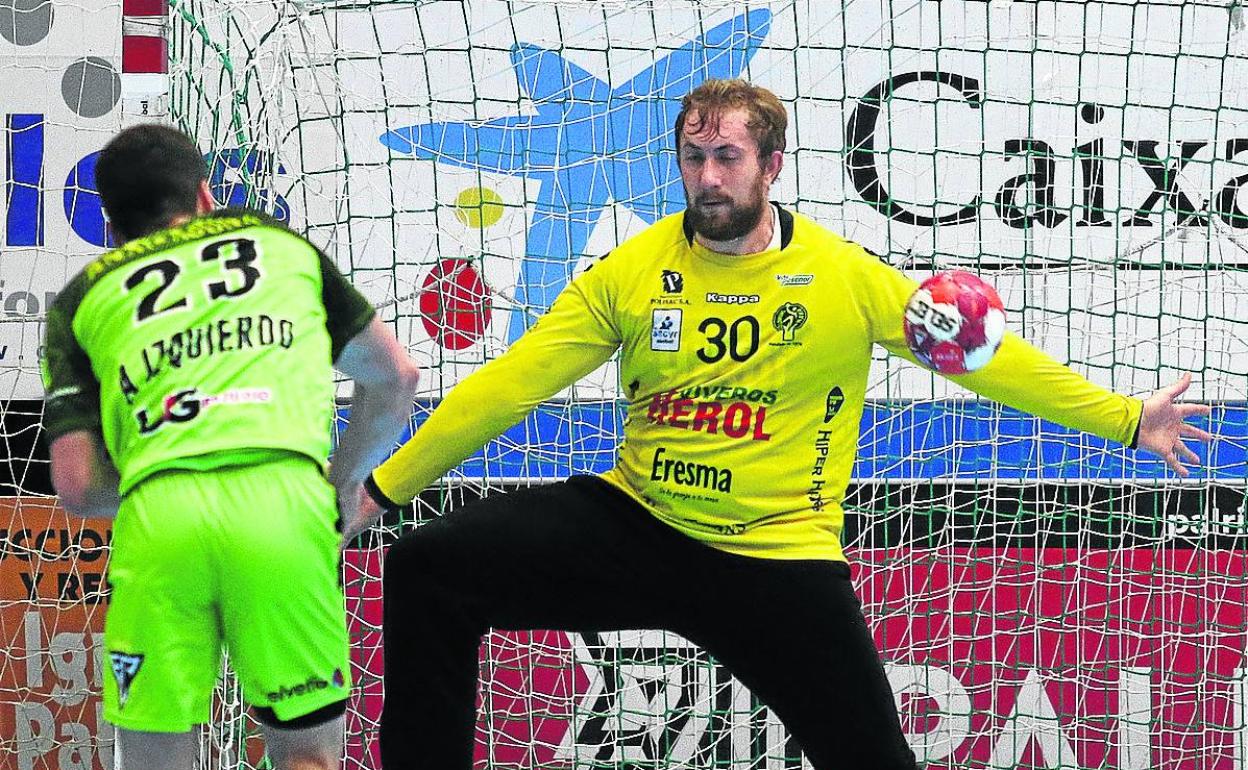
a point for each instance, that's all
(358, 511)
(1163, 426)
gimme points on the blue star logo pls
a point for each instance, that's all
(588, 144)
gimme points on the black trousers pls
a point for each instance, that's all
(582, 556)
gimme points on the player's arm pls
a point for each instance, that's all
(82, 473)
(385, 377)
(1028, 379)
(572, 339)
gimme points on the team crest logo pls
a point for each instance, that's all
(125, 669)
(788, 318)
(673, 282)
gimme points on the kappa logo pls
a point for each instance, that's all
(665, 330)
(125, 668)
(673, 282)
(732, 299)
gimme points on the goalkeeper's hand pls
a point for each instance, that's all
(1163, 426)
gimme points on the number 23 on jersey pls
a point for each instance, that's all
(163, 288)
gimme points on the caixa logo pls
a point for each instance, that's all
(231, 174)
(1028, 199)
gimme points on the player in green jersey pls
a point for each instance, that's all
(190, 393)
(745, 334)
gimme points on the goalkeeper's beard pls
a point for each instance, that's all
(726, 223)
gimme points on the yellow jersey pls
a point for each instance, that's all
(745, 378)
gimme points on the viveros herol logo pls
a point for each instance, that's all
(589, 145)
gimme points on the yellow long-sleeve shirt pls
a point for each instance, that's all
(745, 378)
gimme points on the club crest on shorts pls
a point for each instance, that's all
(125, 669)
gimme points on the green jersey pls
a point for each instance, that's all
(201, 346)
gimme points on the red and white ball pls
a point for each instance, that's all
(954, 322)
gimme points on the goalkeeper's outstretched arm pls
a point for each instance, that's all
(1026, 378)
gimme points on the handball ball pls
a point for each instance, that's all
(954, 322)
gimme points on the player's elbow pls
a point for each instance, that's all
(74, 470)
(399, 375)
(375, 359)
(395, 382)
(406, 375)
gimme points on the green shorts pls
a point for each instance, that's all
(244, 556)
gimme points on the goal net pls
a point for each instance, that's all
(1041, 598)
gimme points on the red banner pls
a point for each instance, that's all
(52, 604)
(1128, 658)
(1011, 657)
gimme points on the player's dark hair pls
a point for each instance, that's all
(767, 117)
(147, 175)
